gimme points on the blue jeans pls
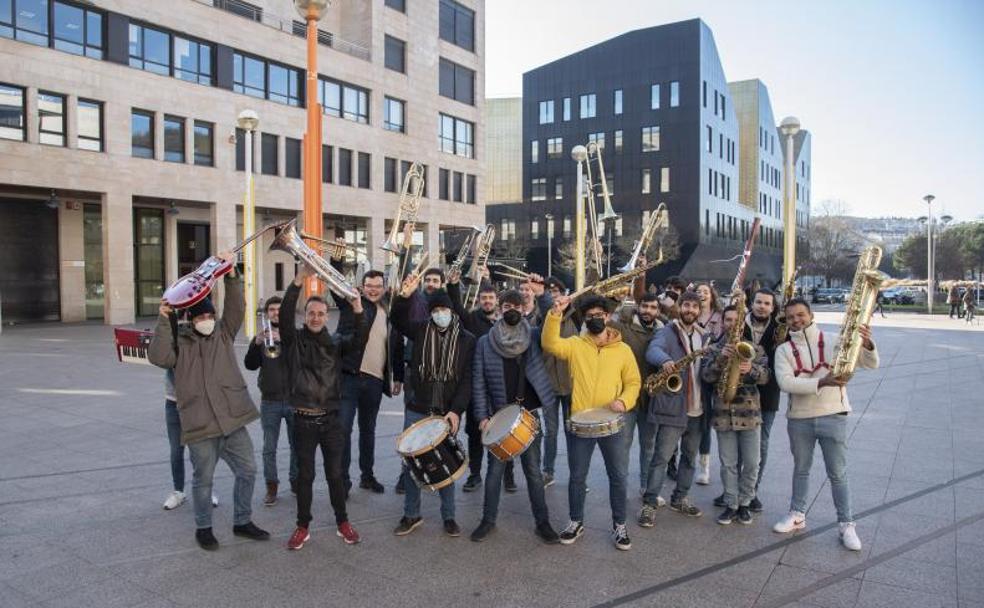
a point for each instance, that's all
(666, 438)
(236, 449)
(551, 429)
(530, 460)
(739, 478)
(174, 439)
(831, 433)
(639, 418)
(616, 456)
(361, 394)
(766, 430)
(271, 412)
(411, 500)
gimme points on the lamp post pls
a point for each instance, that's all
(789, 126)
(248, 121)
(580, 155)
(930, 258)
(312, 11)
(549, 219)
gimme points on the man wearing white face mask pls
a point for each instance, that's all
(213, 404)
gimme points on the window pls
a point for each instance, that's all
(248, 76)
(344, 100)
(142, 134)
(204, 143)
(567, 227)
(344, 167)
(674, 94)
(617, 141)
(724, 108)
(538, 189)
(664, 179)
(397, 5)
(389, 174)
(555, 147)
(567, 109)
(457, 24)
(150, 49)
(647, 177)
(472, 190)
(588, 106)
(710, 139)
(327, 164)
(715, 103)
(507, 229)
(76, 30)
(393, 115)
(618, 101)
(558, 188)
(25, 20)
(443, 176)
(703, 96)
(292, 157)
(51, 118)
(458, 189)
(598, 138)
(534, 228)
(654, 97)
(457, 82)
(192, 61)
(720, 145)
(268, 154)
(174, 139)
(534, 151)
(256, 78)
(546, 112)
(650, 139)
(284, 86)
(365, 171)
(456, 136)
(241, 150)
(395, 54)
(710, 181)
(89, 125)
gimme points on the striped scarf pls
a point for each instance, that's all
(440, 351)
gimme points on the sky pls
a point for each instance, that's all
(891, 90)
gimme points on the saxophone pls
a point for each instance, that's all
(727, 386)
(671, 382)
(782, 329)
(864, 296)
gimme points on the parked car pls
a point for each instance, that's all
(897, 295)
(828, 295)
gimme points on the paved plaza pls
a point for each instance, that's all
(84, 470)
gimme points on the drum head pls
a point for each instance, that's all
(500, 424)
(425, 434)
(598, 414)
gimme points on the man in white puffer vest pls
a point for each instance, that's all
(818, 409)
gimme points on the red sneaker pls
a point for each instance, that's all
(348, 533)
(298, 538)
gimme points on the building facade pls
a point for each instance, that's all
(503, 150)
(672, 129)
(123, 169)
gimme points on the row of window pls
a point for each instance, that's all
(770, 174)
(767, 141)
(729, 227)
(588, 104)
(726, 147)
(452, 185)
(52, 110)
(143, 137)
(507, 227)
(540, 192)
(770, 206)
(555, 145)
(58, 25)
(718, 184)
(720, 101)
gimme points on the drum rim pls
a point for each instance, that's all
(419, 423)
(512, 427)
(615, 415)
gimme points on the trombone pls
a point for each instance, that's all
(597, 181)
(658, 219)
(480, 257)
(336, 250)
(466, 246)
(511, 272)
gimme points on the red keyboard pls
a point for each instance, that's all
(131, 345)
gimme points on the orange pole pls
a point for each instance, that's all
(313, 220)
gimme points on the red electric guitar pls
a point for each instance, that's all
(194, 287)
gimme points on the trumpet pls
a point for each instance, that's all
(271, 346)
(336, 250)
(413, 189)
(483, 249)
(658, 219)
(287, 239)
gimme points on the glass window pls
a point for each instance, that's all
(724, 107)
(567, 109)
(344, 100)
(76, 30)
(617, 141)
(456, 82)
(538, 189)
(546, 112)
(192, 61)
(283, 85)
(558, 187)
(618, 101)
(567, 226)
(51, 118)
(534, 151)
(395, 54)
(650, 139)
(142, 134)
(534, 228)
(344, 167)
(350, 103)
(393, 110)
(292, 157)
(472, 189)
(588, 106)
(268, 150)
(389, 174)
(443, 175)
(458, 186)
(89, 124)
(598, 138)
(710, 139)
(456, 136)
(25, 20)
(555, 147)
(365, 162)
(174, 139)
(457, 24)
(675, 94)
(150, 49)
(703, 95)
(654, 97)
(248, 75)
(664, 179)
(647, 177)
(204, 143)
(330, 98)
(327, 164)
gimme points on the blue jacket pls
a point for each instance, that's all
(489, 382)
(668, 408)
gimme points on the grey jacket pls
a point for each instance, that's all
(212, 397)
(666, 407)
(558, 369)
(489, 382)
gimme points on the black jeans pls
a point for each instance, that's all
(361, 394)
(476, 451)
(328, 433)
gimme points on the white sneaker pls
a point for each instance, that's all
(215, 500)
(704, 473)
(660, 501)
(174, 500)
(849, 536)
(793, 521)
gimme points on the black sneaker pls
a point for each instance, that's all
(548, 480)
(571, 533)
(249, 530)
(451, 528)
(621, 537)
(719, 501)
(685, 507)
(473, 483)
(755, 506)
(206, 540)
(399, 489)
(744, 515)
(482, 531)
(727, 516)
(547, 534)
(510, 481)
(370, 483)
(408, 525)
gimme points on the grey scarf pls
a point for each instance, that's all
(510, 341)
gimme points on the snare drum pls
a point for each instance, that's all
(432, 454)
(596, 422)
(510, 432)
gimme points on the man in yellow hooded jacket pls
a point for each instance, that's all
(604, 375)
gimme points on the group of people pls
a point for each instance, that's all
(955, 299)
(531, 346)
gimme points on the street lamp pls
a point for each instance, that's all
(930, 258)
(549, 219)
(248, 120)
(789, 126)
(580, 155)
(312, 11)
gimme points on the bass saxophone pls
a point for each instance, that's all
(864, 296)
(672, 381)
(727, 386)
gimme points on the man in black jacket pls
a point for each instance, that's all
(440, 379)
(272, 381)
(760, 328)
(368, 374)
(315, 361)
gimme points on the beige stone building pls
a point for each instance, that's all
(504, 150)
(121, 167)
